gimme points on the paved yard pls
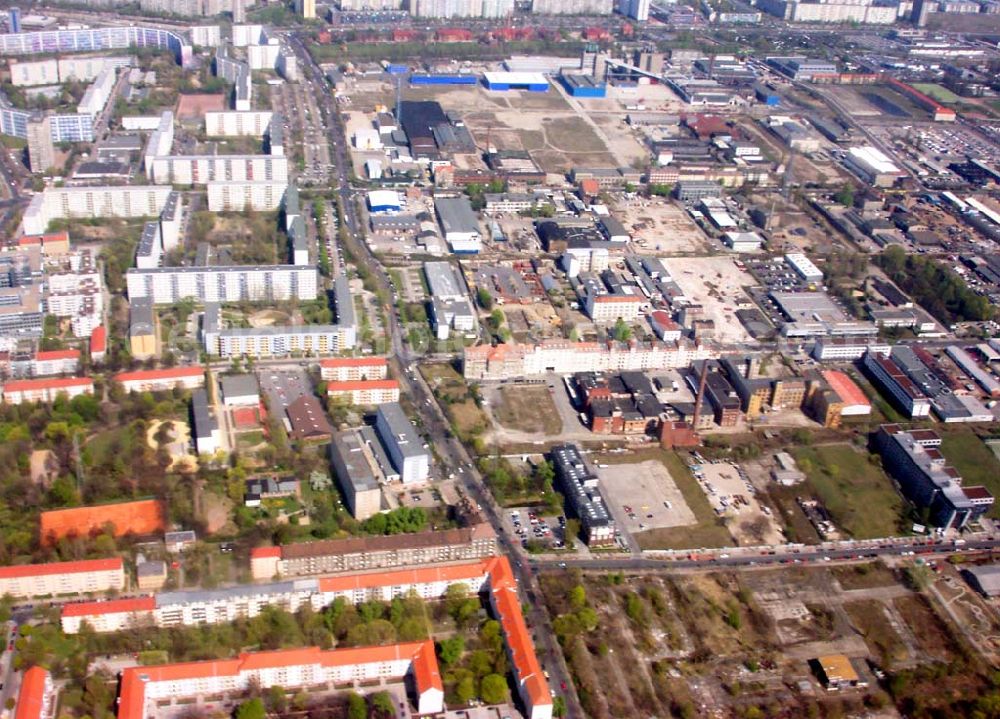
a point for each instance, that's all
(648, 489)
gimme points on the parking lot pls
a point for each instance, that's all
(643, 496)
(283, 386)
(530, 527)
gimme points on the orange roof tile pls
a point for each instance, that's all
(354, 362)
(57, 355)
(153, 374)
(845, 387)
(29, 385)
(31, 698)
(98, 339)
(38, 570)
(144, 516)
(421, 575)
(262, 552)
(113, 606)
(361, 384)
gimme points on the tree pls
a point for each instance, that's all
(252, 709)
(846, 195)
(465, 690)
(450, 650)
(484, 298)
(622, 332)
(493, 689)
(382, 703)
(356, 707)
(559, 706)
(578, 597)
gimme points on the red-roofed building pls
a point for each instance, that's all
(161, 380)
(36, 699)
(54, 578)
(705, 127)
(664, 326)
(855, 401)
(55, 362)
(590, 189)
(287, 668)
(311, 666)
(46, 390)
(112, 616)
(349, 369)
(365, 392)
(55, 243)
(98, 344)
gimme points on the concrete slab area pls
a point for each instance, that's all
(648, 489)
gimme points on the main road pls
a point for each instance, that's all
(450, 451)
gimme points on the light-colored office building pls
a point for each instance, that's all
(404, 446)
(89, 202)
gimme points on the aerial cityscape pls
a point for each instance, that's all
(499, 359)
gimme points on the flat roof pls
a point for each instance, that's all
(403, 432)
(443, 280)
(349, 448)
(239, 385)
(516, 78)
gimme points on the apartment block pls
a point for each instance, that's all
(237, 196)
(364, 392)
(226, 283)
(25, 581)
(353, 468)
(52, 362)
(161, 380)
(579, 486)
(46, 390)
(203, 169)
(350, 369)
(360, 553)
(404, 446)
(37, 697)
(235, 124)
(91, 202)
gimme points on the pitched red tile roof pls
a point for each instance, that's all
(57, 355)
(354, 362)
(98, 340)
(29, 385)
(360, 384)
(38, 570)
(113, 606)
(31, 698)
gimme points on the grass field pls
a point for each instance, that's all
(708, 532)
(528, 409)
(939, 93)
(864, 576)
(857, 494)
(974, 461)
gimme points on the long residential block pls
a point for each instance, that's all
(92, 202)
(236, 283)
(46, 390)
(25, 581)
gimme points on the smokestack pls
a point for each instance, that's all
(701, 395)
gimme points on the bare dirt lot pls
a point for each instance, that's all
(731, 495)
(663, 226)
(717, 284)
(649, 490)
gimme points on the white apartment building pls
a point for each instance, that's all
(365, 392)
(46, 390)
(55, 71)
(97, 94)
(244, 35)
(87, 202)
(25, 581)
(166, 285)
(206, 35)
(610, 308)
(832, 349)
(263, 57)
(160, 142)
(237, 124)
(239, 196)
(350, 369)
(141, 122)
(52, 362)
(161, 380)
(203, 169)
(281, 341)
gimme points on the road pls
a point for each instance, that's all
(450, 450)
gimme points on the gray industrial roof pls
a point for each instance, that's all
(349, 447)
(456, 214)
(443, 281)
(204, 424)
(346, 316)
(239, 385)
(988, 578)
(404, 433)
(140, 316)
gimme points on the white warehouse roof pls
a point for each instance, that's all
(516, 78)
(874, 159)
(383, 198)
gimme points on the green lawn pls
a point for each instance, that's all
(857, 494)
(974, 461)
(708, 532)
(939, 93)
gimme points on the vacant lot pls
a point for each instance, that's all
(649, 490)
(528, 409)
(858, 495)
(864, 576)
(975, 462)
(871, 621)
(450, 389)
(709, 529)
(717, 284)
